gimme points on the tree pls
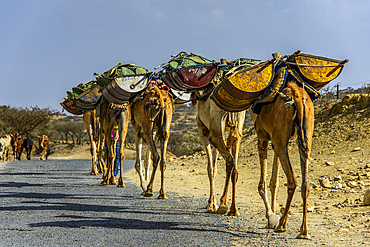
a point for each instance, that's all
(366, 87)
(328, 93)
(24, 120)
(78, 130)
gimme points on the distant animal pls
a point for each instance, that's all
(6, 146)
(92, 125)
(151, 115)
(112, 117)
(43, 147)
(278, 122)
(27, 145)
(17, 145)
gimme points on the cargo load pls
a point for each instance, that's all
(188, 71)
(122, 82)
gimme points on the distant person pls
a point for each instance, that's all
(116, 161)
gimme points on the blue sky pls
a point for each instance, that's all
(49, 46)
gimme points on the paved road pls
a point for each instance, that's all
(57, 203)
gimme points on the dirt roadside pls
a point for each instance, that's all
(339, 175)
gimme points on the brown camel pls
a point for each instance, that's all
(151, 117)
(112, 116)
(17, 145)
(92, 125)
(43, 146)
(291, 114)
(212, 123)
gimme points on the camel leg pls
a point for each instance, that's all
(111, 157)
(101, 163)
(162, 163)
(218, 141)
(147, 162)
(93, 155)
(150, 142)
(234, 140)
(303, 233)
(122, 127)
(92, 150)
(273, 219)
(212, 154)
(274, 182)
(138, 162)
(282, 152)
(262, 152)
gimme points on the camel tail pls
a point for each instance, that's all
(301, 120)
(162, 123)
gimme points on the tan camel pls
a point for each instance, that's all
(212, 123)
(292, 113)
(92, 125)
(112, 116)
(151, 117)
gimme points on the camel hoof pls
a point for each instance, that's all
(211, 208)
(222, 210)
(273, 221)
(162, 196)
(148, 194)
(112, 182)
(93, 173)
(142, 193)
(233, 213)
(280, 229)
(303, 236)
(104, 182)
(121, 185)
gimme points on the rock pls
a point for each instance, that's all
(352, 184)
(367, 198)
(329, 163)
(325, 183)
(338, 186)
(349, 201)
(333, 152)
(337, 178)
(310, 208)
(356, 149)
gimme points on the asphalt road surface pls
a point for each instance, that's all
(57, 203)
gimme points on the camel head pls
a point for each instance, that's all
(155, 102)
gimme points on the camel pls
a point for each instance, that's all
(112, 116)
(92, 125)
(5, 143)
(17, 145)
(27, 145)
(43, 147)
(213, 123)
(291, 114)
(151, 117)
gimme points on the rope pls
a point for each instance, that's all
(288, 101)
(313, 65)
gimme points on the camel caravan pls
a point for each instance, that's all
(16, 144)
(278, 94)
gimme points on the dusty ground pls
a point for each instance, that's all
(339, 175)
